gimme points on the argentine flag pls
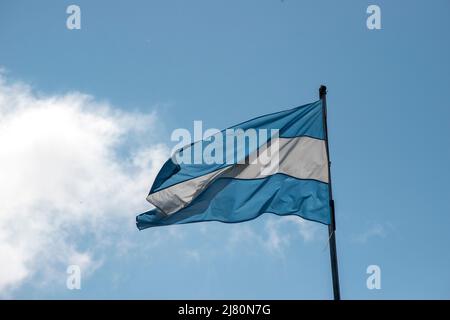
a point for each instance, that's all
(276, 163)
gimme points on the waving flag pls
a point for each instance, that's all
(275, 163)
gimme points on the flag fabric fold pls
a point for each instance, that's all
(283, 171)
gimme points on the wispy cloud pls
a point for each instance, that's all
(278, 233)
(375, 230)
(193, 254)
(68, 171)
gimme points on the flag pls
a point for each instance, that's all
(276, 163)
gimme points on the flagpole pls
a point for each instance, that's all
(332, 225)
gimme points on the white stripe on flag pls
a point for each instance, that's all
(299, 157)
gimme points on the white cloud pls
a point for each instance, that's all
(375, 230)
(69, 166)
(192, 254)
(279, 238)
(278, 233)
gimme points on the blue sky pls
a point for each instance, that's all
(224, 62)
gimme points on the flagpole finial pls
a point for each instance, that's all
(322, 91)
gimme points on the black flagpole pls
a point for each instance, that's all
(332, 225)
